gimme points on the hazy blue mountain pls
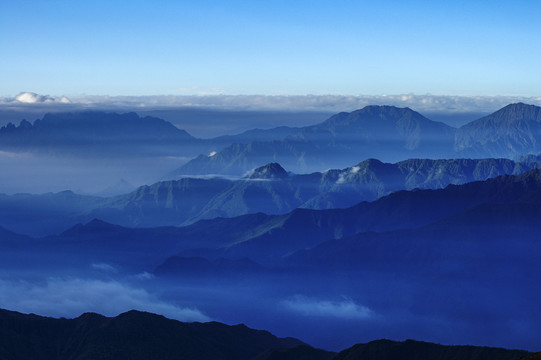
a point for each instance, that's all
(486, 239)
(417, 350)
(277, 133)
(269, 189)
(97, 133)
(42, 214)
(131, 335)
(163, 203)
(509, 132)
(383, 132)
(264, 238)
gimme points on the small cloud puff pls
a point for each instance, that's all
(33, 98)
(345, 309)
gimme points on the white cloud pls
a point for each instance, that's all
(33, 98)
(346, 308)
(72, 297)
(331, 103)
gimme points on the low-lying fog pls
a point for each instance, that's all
(332, 311)
(36, 174)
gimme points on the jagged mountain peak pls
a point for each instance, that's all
(270, 171)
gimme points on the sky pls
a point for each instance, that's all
(320, 47)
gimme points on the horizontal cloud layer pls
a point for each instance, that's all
(426, 103)
(72, 297)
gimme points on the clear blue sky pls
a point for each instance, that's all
(270, 47)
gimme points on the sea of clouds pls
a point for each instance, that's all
(422, 103)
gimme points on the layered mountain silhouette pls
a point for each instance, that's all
(269, 189)
(384, 132)
(267, 239)
(264, 238)
(98, 133)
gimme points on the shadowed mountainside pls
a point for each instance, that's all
(416, 350)
(132, 335)
(509, 132)
(140, 335)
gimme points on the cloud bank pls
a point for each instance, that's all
(331, 103)
(72, 297)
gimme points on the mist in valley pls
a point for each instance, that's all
(441, 250)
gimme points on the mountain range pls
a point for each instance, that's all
(268, 239)
(140, 335)
(385, 132)
(402, 246)
(465, 255)
(269, 189)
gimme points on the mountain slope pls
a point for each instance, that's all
(131, 335)
(268, 189)
(509, 132)
(383, 132)
(270, 237)
(416, 350)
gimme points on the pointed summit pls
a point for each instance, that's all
(512, 131)
(269, 171)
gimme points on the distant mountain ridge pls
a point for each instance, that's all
(384, 132)
(94, 132)
(388, 133)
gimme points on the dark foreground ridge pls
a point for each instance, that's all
(141, 335)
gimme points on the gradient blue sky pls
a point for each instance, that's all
(270, 47)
